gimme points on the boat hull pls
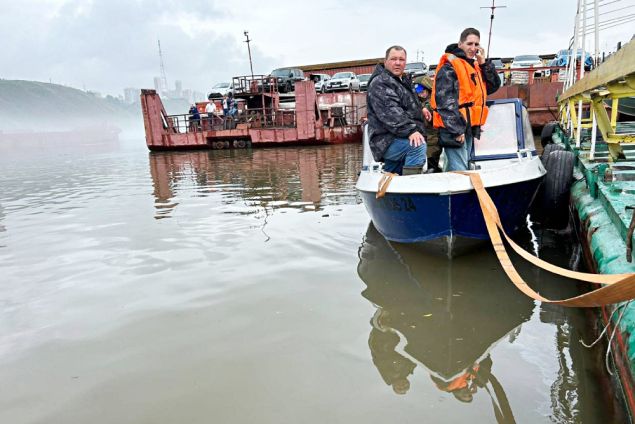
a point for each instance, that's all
(449, 224)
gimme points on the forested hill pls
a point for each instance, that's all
(32, 105)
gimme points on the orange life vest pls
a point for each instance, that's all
(472, 91)
(461, 381)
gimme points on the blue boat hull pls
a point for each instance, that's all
(419, 217)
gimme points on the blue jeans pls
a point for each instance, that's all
(401, 153)
(457, 158)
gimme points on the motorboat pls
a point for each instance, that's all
(440, 211)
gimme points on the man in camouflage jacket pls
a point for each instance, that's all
(395, 118)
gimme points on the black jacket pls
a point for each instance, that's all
(447, 92)
(394, 110)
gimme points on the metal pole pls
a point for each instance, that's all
(571, 70)
(583, 47)
(596, 59)
(251, 67)
(594, 133)
(578, 135)
(491, 22)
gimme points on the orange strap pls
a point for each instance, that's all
(618, 288)
(384, 182)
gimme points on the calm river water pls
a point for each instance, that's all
(247, 286)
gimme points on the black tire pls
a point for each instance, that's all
(549, 148)
(556, 188)
(547, 132)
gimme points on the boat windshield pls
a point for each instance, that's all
(342, 75)
(499, 136)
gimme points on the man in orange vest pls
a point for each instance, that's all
(462, 82)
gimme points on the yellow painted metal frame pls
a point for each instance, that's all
(612, 80)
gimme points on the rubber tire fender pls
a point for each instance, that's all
(557, 186)
(547, 132)
(549, 148)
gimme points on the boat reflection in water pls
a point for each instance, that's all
(439, 315)
(255, 180)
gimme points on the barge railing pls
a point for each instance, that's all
(611, 81)
(333, 116)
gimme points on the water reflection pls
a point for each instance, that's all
(304, 178)
(2, 228)
(441, 316)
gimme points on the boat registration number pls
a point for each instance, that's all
(397, 203)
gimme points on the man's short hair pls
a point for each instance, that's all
(398, 48)
(467, 32)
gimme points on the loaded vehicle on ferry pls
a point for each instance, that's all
(263, 115)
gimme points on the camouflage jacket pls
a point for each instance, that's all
(394, 110)
(447, 92)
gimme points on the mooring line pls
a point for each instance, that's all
(617, 287)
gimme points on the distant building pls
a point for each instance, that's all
(131, 95)
(178, 88)
(158, 85)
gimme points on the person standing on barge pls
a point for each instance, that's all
(195, 118)
(210, 110)
(462, 82)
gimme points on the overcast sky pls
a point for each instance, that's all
(106, 45)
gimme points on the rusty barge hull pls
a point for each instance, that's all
(539, 98)
(315, 119)
(255, 138)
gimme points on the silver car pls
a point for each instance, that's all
(363, 81)
(343, 81)
(518, 76)
(320, 81)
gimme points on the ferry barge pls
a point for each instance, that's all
(265, 117)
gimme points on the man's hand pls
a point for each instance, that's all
(480, 55)
(416, 139)
(461, 138)
(426, 114)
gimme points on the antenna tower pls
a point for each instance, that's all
(247, 40)
(164, 78)
(491, 22)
